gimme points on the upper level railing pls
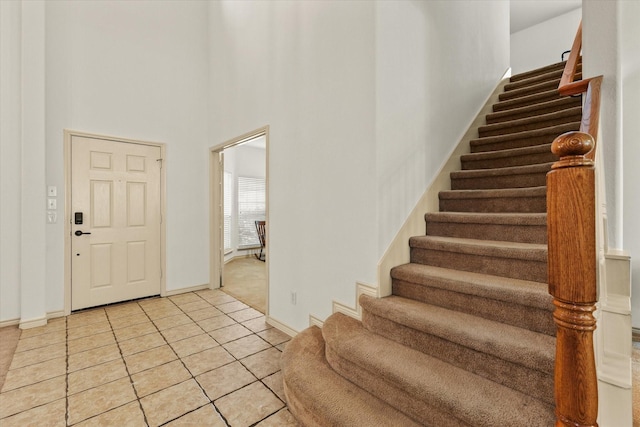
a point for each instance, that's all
(571, 218)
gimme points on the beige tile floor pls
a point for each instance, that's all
(196, 359)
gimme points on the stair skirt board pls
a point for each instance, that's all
(467, 336)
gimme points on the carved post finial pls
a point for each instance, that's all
(572, 148)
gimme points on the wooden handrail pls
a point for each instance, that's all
(572, 253)
(572, 63)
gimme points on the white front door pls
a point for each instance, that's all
(115, 221)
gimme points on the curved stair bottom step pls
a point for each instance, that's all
(431, 391)
(318, 397)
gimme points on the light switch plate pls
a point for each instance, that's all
(52, 204)
(52, 191)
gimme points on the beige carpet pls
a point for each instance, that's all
(246, 280)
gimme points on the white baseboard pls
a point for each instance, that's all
(281, 326)
(10, 322)
(356, 312)
(185, 290)
(34, 323)
(314, 321)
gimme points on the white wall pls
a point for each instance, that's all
(348, 91)
(610, 49)
(131, 69)
(543, 44)
(10, 158)
(136, 70)
(344, 121)
(307, 70)
(630, 69)
(436, 63)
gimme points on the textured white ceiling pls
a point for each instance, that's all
(526, 13)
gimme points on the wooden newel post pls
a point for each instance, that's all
(572, 278)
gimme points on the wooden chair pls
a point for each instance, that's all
(261, 229)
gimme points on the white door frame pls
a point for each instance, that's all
(216, 238)
(68, 134)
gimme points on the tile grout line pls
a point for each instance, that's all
(188, 370)
(66, 377)
(110, 319)
(126, 367)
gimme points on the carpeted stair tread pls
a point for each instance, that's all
(526, 261)
(518, 227)
(539, 71)
(533, 109)
(527, 251)
(531, 349)
(508, 177)
(535, 98)
(551, 75)
(521, 303)
(536, 122)
(529, 90)
(522, 139)
(371, 361)
(514, 200)
(318, 396)
(534, 154)
(521, 292)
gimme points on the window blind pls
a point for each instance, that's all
(251, 208)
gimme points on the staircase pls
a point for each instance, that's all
(467, 338)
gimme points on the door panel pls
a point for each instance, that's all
(116, 186)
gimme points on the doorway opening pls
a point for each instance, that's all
(239, 218)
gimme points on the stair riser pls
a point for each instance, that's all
(505, 162)
(495, 205)
(495, 182)
(425, 412)
(501, 232)
(537, 384)
(497, 266)
(480, 146)
(538, 72)
(526, 101)
(559, 105)
(530, 318)
(484, 132)
(553, 76)
(529, 90)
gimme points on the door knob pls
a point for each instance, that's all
(79, 233)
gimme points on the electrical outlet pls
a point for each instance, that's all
(52, 217)
(294, 297)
